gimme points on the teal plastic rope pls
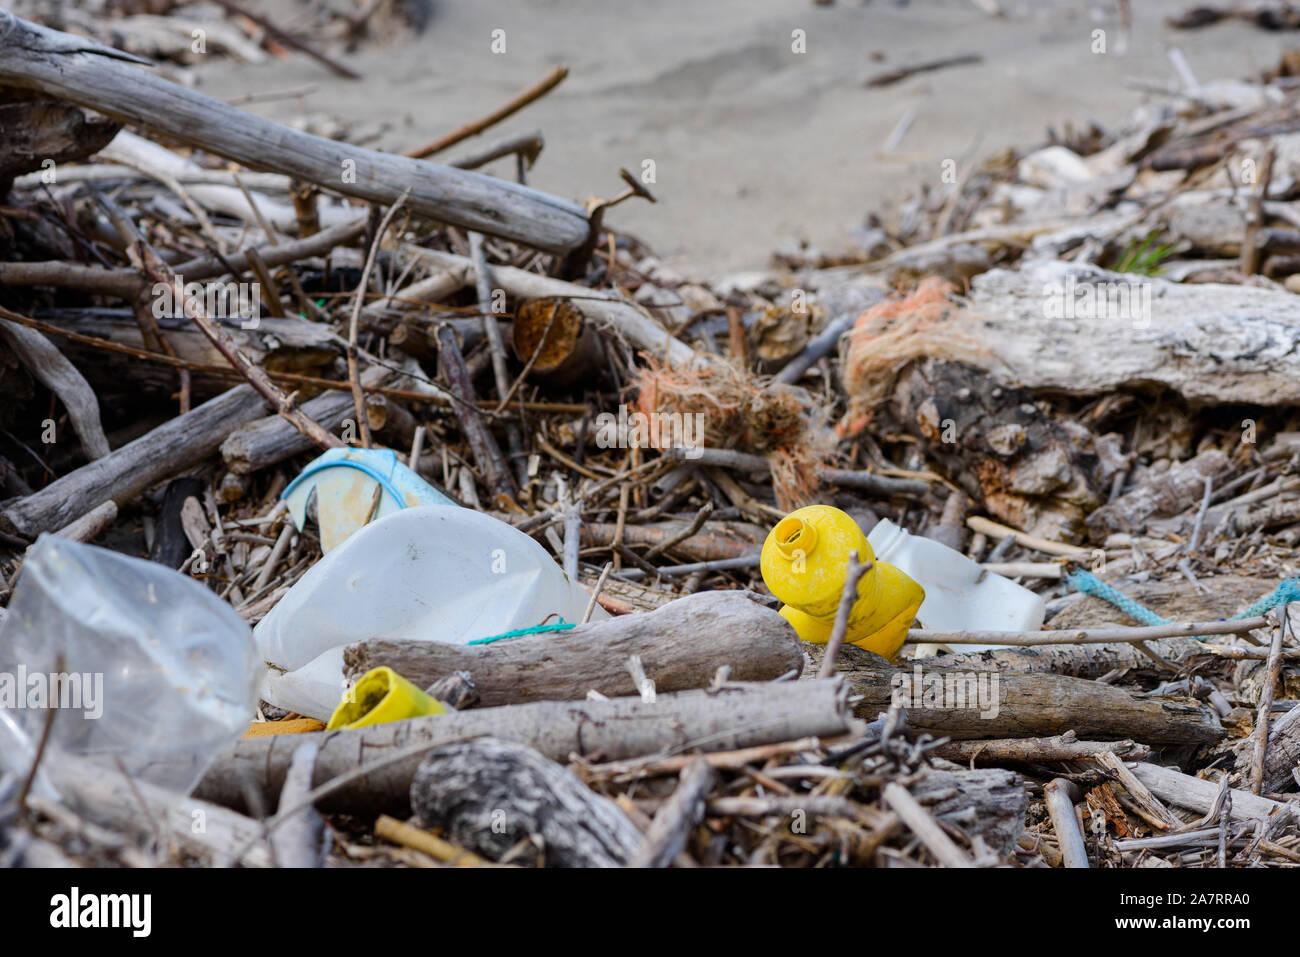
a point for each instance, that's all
(520, 632)
(1089, 584)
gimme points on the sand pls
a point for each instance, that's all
(754, 146)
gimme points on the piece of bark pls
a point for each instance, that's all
(735, 716)
(1027, 705)
(61, 377)
(39, 133)
(270, 440)
(989, 803)
(126, 472)
(72, 68)
(1159, 496)
(681, 646)
(1025, 466)
(679, 815)
(490, 795)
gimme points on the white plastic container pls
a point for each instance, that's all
(433, 573)
(959, 594)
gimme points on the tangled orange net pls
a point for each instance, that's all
(782, 422)
(891, 334)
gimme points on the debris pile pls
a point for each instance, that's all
(1075, 366)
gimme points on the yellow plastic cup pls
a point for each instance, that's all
(804, 562)
(380, 696)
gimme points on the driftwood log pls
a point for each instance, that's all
(101, 78)
(126, 472)
(1199, 795)
(1028, 705)
(988, 802)
(271, 439)
(1211, 343)
(734, 716)
(490, 795)
(681, 646)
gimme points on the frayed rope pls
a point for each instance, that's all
(1089, 584)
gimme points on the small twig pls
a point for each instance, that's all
(517, 103)
(697, 522)
(848, 596)
(1273, 673)
(925, 827)
(354, 373)
(595, 592)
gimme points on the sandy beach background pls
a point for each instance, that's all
(755, 146)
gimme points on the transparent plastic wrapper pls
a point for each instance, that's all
(432, 573)
(156, 672)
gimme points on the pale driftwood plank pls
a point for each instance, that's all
(88, 74)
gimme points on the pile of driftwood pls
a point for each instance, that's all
(515, 351)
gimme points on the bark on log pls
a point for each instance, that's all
(269, 440)
(128, 471)
(1027, 467)
(1211, 343)
(989, 803)
(490, 795)
(681, 646)
(83, 72)
(736, 716)
(1025, 705)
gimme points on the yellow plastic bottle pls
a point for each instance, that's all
(804, 562)
(379, 696)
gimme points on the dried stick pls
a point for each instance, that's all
(1274, 671)
(1060, 808)
(680, 814)
(1088, 636)
(421, 840)
(517, 103)
(358, 397)
(289, 40)
(487, 454)
(924, 826)
(848, 596)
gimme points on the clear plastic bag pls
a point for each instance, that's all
(156, 671)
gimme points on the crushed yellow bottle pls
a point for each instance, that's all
(379, 696)
(804, 561)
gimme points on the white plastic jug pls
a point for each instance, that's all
(433, 573)
(959, 594)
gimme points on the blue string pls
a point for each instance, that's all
(1089, 584)
(520, 632)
